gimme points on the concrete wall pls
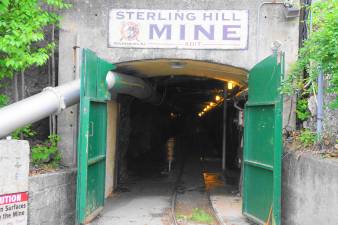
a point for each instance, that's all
(52, 198)
(310, 195)
(310, 190)
(86, 25)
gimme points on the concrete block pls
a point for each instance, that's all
(14, 164)
(52, 199)
(310, 185)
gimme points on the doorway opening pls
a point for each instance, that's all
(172, 146)
(195, 130)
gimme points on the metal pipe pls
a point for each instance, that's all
(39, 106)
(55, 99)
(320, 94)
(224, 144)
(134, 86)
(320, 100)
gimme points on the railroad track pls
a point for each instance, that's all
(177, 188)
(219, 221)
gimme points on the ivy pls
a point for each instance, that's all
(319, 53)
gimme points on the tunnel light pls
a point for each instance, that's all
(212, 104)
(230, 85)
(205, 109)
(173, 115)
(200, 114)
(217, 98)
(208, 106)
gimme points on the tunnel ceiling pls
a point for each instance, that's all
(174, 67)
(189, 94)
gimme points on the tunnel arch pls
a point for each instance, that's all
(184, 67)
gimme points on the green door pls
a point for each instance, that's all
(91, 163)
(263, 142)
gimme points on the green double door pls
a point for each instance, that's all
(262, 140)
(91, 160)
(262, 156)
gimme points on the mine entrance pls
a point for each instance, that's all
(191, 135)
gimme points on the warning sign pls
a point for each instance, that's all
(13, 209)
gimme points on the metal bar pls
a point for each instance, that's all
(253, 218)
(225, 94)
(262, 103)
(278, 148)
(96, 159)
(258, 164)
(320, 100)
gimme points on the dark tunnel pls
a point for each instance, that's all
(191, 114)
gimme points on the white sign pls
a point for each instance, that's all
(13, 209)
(14, 167)
(185, 29)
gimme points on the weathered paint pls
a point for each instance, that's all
(92, 137)
(263, 142)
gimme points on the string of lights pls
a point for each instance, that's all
(217, 101)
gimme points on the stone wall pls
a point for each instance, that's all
(310, 190)
(52, 198)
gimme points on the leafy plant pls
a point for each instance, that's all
(26, 132)
(319, 53)
(302, 110)
(200, 216)
(21, 30)
(3, 100)
(47, 153)
(307, 137)
(22, 24)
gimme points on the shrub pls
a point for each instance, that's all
(307, 137)
(47, 153)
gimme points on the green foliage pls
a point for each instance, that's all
(21, 30)
(302, 110)
(319, 52)
(26, 132)
(3, 100)
(47, 153)
(200, 216)
(307, 137)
